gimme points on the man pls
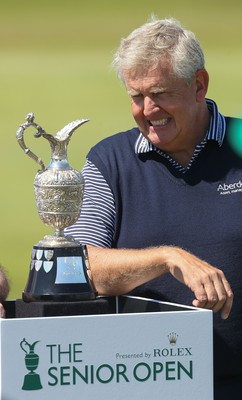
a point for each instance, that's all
(156, 216)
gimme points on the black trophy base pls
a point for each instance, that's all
(63, 309)
(58, 274)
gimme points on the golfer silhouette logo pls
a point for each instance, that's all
(32, 379)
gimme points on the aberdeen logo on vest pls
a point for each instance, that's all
(229, 188)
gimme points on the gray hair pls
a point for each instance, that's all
(156, 39)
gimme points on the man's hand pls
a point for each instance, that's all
(2, 311)
(209, 285)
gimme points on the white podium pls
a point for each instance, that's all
(134, 353)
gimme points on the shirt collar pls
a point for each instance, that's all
(216, 131)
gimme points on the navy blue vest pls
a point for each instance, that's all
(200, 211)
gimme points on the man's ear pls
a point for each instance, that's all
(201, 80)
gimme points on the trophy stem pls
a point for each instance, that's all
(59, 232)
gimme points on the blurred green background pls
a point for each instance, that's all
(55, 58)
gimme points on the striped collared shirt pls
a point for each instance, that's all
(96, 225)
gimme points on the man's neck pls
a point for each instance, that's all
(184, 155)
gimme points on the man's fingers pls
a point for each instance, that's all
(225, 311)
(215, 294)
(225, 297)
(2, 311)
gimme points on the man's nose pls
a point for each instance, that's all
(150, 105)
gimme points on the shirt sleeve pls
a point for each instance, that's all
(95, 225)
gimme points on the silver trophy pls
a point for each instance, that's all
(58, 268)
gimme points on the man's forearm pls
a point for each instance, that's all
(118, 271)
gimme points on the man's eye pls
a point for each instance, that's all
(137, 96)
(158, 93)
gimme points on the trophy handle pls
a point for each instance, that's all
(23, 344)
(20, 138)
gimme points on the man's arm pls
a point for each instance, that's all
(118, 271)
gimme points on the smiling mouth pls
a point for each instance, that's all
(160, 122)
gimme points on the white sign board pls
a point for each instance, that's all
(136, 356)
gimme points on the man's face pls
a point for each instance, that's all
(166, 109)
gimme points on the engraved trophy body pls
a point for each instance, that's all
(58, 268)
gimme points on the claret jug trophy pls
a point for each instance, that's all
(59, 264)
